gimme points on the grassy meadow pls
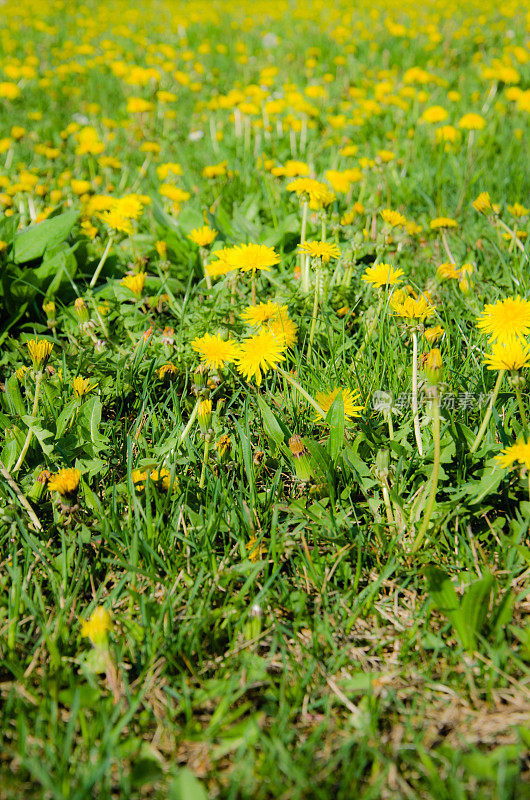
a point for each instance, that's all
(265, 458)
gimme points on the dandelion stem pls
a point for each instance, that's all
(204, 462)
(447, 249)
(435, 472)
(489, 412)
(304, 260)
(303, 392)
(417, 431)
(203, 252)
(101, 264)
(315, 311)
(25, 448)
(522, 411)
(190, 423)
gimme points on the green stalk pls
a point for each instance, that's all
(304, 259)
(25, 448)
(315, 310)
(417, 431)
(489, 412)
(101, 264)
(522, 411)
(434, 475)
(204, 462)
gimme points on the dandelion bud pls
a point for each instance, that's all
(200, 376)
(49, 310)
(37, 490)
(301, 458)
(81, 309)
(204, 415)
(434, 366)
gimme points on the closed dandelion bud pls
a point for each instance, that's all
(37, 490)
(204, 415)
(434, 366)
(223, 447)
(81, 309)
(49, 310)
(200, 376)
(381, 465)
(254, 624)
(301, 458)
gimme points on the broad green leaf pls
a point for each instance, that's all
(186, 787)
(475, 603)
(14, 396)
(32, 242)
(274, 428)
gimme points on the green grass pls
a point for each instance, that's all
(271, 637)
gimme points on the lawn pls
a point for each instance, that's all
(265, 459)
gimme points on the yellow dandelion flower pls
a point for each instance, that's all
(434, 333)
(412, 307)
(116, 221)
(511, 355)
(215, 170)
(443, 222)
(251, 257)
(317, 193)
(215, 269)
(393, 218)
(323, 250)
(482, 203)
(447, 270)
(518, 452)
(434, 114)
(202, 236)
(506, 319)
(66, 481)
(166, 370)
(97, 626)
(135, 283)
(259, 354)
(215, 351)
(382, 275)
(256, 315)
(472, 122)
(518, 210)
(350, 400)
(82, 386)
(284, 329)
(40, 351)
